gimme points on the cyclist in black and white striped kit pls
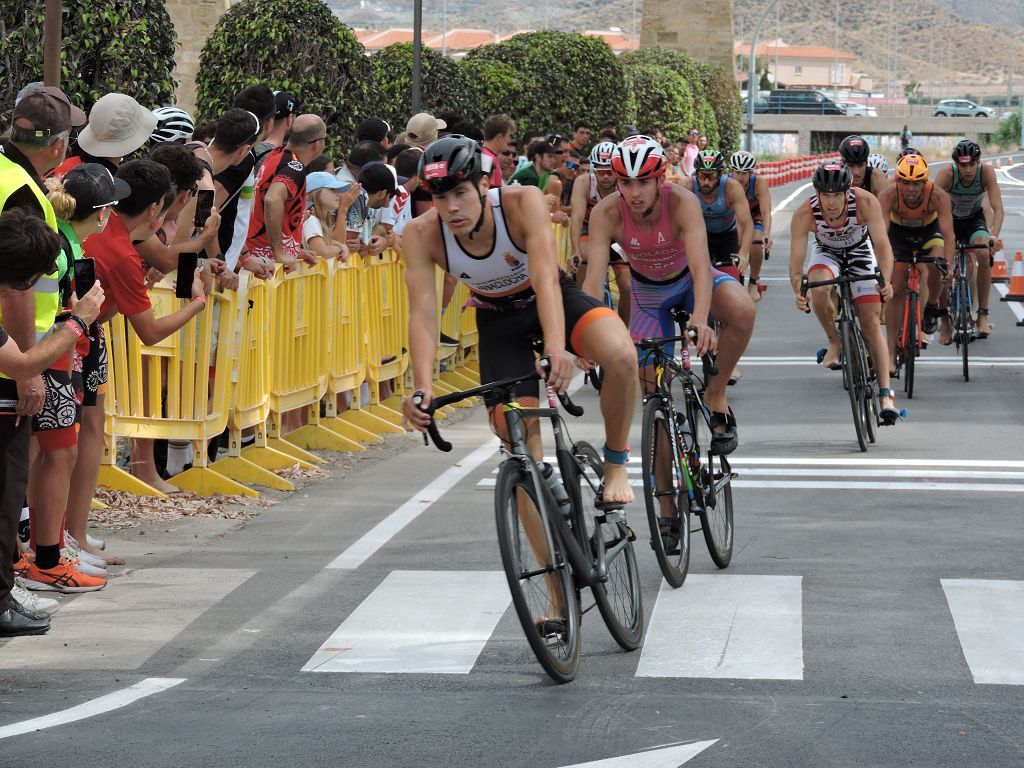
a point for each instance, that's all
(845, 222)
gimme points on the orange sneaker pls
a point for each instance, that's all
(21, 566)
(63, 577)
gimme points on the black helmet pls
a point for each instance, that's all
(832, 177)
(966, 151)
(448, 162)
(854, 150)
(907, 151)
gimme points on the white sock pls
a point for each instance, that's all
(179, 453)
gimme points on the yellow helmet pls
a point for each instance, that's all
(912, 168)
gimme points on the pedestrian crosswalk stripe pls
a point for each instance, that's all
(846, 485)
(420, 622)
(661, 757)
(989, 620)
(726, 626)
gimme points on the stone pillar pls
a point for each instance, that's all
(700, 30)
(194, 20)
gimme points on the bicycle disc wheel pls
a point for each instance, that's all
(912, 349)
(618, 599)
(714, 481)
(670, 492)
(851, 377)
(541, 586)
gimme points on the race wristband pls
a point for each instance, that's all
(200, 299)
(79, 322)
(73, 327)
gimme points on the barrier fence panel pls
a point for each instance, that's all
(387, 306)
(171, 391)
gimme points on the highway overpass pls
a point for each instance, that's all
(823, 132)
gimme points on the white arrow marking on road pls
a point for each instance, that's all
(670, 757)
(989, 620)
(107, 703)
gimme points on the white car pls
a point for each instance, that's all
(858, 109)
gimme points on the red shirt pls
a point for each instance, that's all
(280, 166)
(496, 180)
(119, 270)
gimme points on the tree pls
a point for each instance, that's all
(293, 45)
(443, 85)
(561, 77)
(910, 89)
(663, 100)
(106, 47)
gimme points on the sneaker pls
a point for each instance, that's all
(76, 552)
(43, 605)
(73, 557)
(21, 566)
(63, 577)
(448, 341)
(101, 544)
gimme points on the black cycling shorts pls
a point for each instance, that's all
(968, 227)
(506, 347)
(722, 246)
(905, 240)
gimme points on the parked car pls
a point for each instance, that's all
(962, 108)
(863, 110)
(790, 101)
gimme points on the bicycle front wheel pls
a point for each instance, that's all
(538, 576)
(665, 493)
(714, 482)
(852, 376)
(912, 348)
(962, 303)
(619, 598)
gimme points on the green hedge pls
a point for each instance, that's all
(488, 82)
(560, 77)
(293, 45)
(723, 95)
(664, 100)
(443, 85)
(123, 47)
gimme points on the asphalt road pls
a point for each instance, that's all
(872, 614)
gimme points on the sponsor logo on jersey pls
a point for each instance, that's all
(295, 165)
(436, 170)
(634, 243)
(661, 238)
(512, 261)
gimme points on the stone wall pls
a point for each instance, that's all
(702, 30)
(194, 20)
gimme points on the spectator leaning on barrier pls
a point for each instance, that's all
(323, 197)
(543, 161)
(380, 184)
(118, 125)
(275, 229)
(234, 186)
(161, 249)
(399, 212)
(28, 246)
(41, 125)
(285, 111)
(358, 228)
(498, 131)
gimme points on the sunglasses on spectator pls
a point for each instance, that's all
(571, 165)
(314, 141)
(509, 153)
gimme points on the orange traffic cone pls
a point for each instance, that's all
(999, 273)
(999, 162)
(1016, 280)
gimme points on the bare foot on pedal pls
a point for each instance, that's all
(832, 354)
(616, 484)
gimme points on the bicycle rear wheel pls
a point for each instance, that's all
(912, 348)
(619, 598)
(852, 377)
(962, 302)
(667, 496)
(714, 483)
(869, 394)
(541, 586)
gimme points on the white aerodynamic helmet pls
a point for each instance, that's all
(742, 161)
(877, 161)
(639, 157)
(601, 154)
(172, 124)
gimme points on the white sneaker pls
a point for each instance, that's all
(31, 601)
(98, 543)
(74, 550)
(73, 556)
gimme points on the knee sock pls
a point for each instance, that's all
(179, 453)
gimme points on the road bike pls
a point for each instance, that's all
(858, 371)
(964, 329)
(552, 549)
(908, 344)
(682, 476)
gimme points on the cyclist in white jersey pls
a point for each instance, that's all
(500, 243)
(845, 221)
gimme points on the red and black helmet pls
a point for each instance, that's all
(639, 157)
(448, 162)
(832, 176)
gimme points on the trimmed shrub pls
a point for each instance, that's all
(487, 84)
(106, 47)
(663, 100)
(443, 85)
(723, 96)
(561, 77)
(293, 45)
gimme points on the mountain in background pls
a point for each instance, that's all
(895, 40)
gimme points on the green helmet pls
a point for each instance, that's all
(709, 160)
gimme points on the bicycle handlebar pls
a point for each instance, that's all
(690, 335)
(503, 386)
(806, 285)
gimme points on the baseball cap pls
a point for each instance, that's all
(286, 104)
(94, 187)
(323, 180)
(422, 128)
(118, 125)
(49, 111)
(372, 129)
(377, 177)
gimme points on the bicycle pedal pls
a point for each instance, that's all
(612, 516)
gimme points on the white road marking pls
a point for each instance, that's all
(1015, 306)
(661, 757)
(117, 628)
(360, 551)
(726, 626)
(99, 706)
(418, 621)
(845, 485)
(989, 620)
(789, 199)
(762, 361)
(855, 461)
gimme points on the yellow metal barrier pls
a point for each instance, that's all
(192, 405)
(387, 333)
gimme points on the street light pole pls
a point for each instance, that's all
(752, 76)
(51, 43)
(835, 61)
(444, 27)
(417, 52)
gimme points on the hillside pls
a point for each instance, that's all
(865, 28)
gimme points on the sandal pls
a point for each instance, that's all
(820, 357)
(982, 334)
(725, 442)
(887, 417)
